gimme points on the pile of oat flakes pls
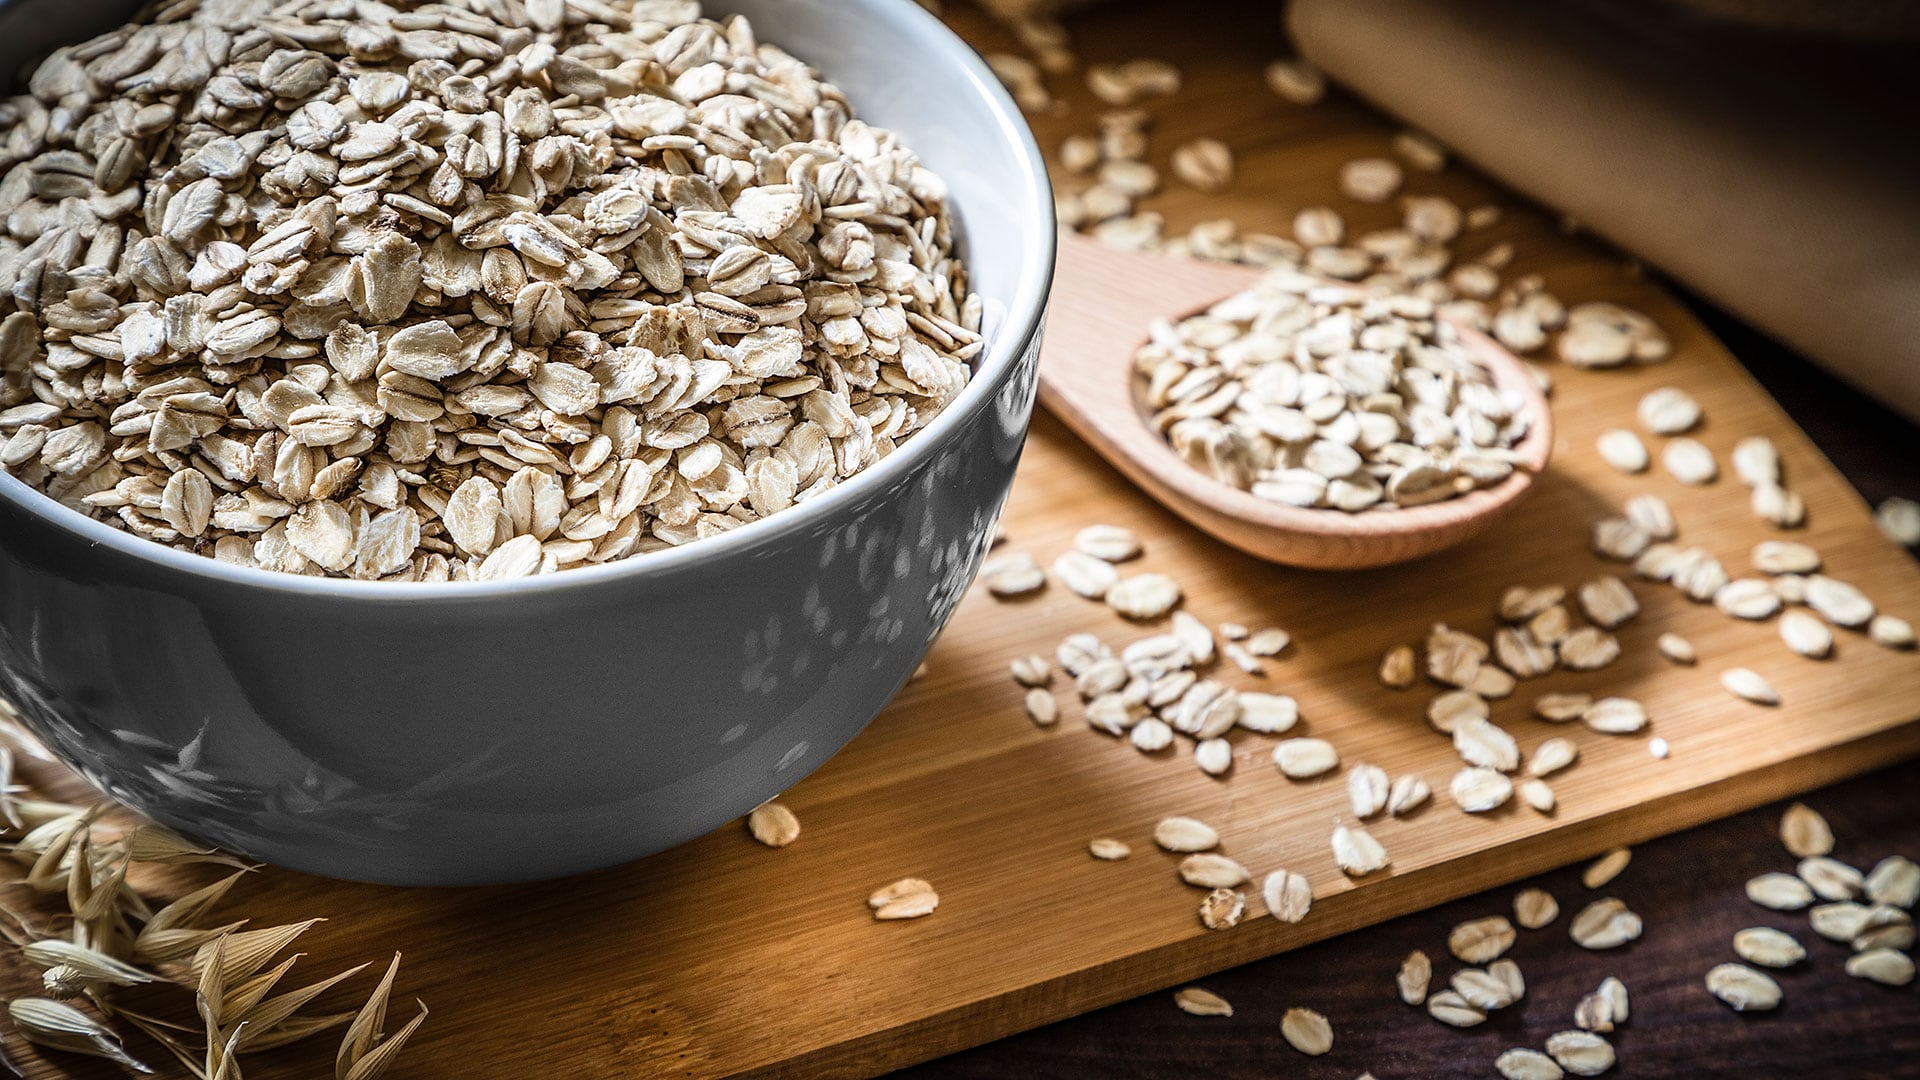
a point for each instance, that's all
(425, 291)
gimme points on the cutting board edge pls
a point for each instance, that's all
(1098, 986)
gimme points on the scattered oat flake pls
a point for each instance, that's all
(1296, 80)
(1012, 574)
(1085, 575)
(1182, 835)
(1370, 180)
(1356, 852)
(1415, 973)
(1113, 543)
(1768, 947)
(1806, 634)
(1891, 632)
(1899, 518)
(1144, 596)
(1831, 879)
(1222, 909)
(1606, 868)
(1677, 649)
(1889, 966)
(1623, 450)
(1214, 756)
(908, 898)
(1480, 941)
(1534, 908)
(1537, 793)
(1031, 671)
(1303, 759)
(1605, 924)
(1742, 988)
(1804, 832)
(1482, 989)
(1838, 602)
(1420, 150)
(1409, 793)
(1287, 895)
(1397, 667)
(1668, 411)
(1212, 871)
(1042, 709)
(1108, 849)
(1551, 756)
(1895, 881)
(1747, 683)
(1689, 461)
(1524, 1064)
(1307, 1031)
(1450, 1008)
(1198, 1002)
(1581, 1053)
(1479, 790)
(1367, 790)
(773, 825)
(1781, 892)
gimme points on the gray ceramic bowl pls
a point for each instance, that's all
(483, 732)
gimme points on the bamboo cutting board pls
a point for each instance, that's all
(723, 957)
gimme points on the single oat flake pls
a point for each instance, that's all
(1747, 683)
(1222, 909)
(1780, 892)
(1288, 896)
(1356, 852)
(1450, 1008)
(1478, 790)
(1307, 1031)
(773, 825)
(1606, 868)
(1198, 1002)
(1768, 947)
(1211, 871)
(1805, 832)
(908, 898)
(1183, 835)
(1742, 988)
(1415, 973)
(1605, 924)
(1581, 1053)
(1534, 908)
(1479, 941)
(1521, 1063)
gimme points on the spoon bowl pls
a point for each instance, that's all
(1103, 301)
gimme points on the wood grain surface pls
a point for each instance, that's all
(722, 957)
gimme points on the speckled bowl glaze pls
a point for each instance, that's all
(486, 732)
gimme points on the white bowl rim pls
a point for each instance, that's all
(1022, 325)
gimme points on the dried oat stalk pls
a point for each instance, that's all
(106, 935)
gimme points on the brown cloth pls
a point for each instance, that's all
(1776, 173)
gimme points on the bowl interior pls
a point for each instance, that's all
(901, 69)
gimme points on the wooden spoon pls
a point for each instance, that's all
(1103, 300)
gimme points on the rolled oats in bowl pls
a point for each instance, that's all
(439, 291)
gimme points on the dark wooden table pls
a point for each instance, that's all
(1687, 886)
